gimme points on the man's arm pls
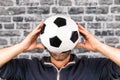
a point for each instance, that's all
(6, 54)
(93, 44)
(29, 43)
(110, 52)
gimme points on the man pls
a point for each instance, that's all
(64, 66)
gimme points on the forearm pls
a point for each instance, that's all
(6, 54)
(110, 52)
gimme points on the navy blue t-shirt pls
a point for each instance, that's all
(76, 69)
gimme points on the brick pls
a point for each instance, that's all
(112, 40)
(86, 2)
(3, 41)
(27, 2)
(79, 50)
(102, 10)
(39, 18)
(75, 10)
(97, 55)
(17, 19)
(108, 33)
(0, 26)
(6, 3)
(80, 2)
(3, 11)
(75, 50)
(44, 17)
(111, 44)
(104, 33)
(16, 10)
(105, 2)
(94, 25)
(91, 10)
(15, 40)
(97, 10)
(82, 56)
(29, 19)
(38, 10)
(77, 18)
(38, 39)
(98, 33)
(117, 32)
(104, 18)
(117, 2)
(46, 2)
(10, 33)
(82, 38)
(65, 2)
(5, 19)
(24, 56)
(9, 26)
(118, 46)
(59, 10)
(23, 26)
(36, 56)
(115, 10)
(88, 18)
(83, 24)
(117, 18)
(26, 33)
(36, 51)
(113, 25)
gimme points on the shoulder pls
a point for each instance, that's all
(99, 63)
(23, 61)
(95, 61)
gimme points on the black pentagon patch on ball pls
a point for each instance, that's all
(60, 21)
(55, 41)
(43, 28)
(74, 36)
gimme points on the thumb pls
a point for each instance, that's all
(80, 44)
(41, 46)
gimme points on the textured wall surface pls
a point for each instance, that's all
(19, 17)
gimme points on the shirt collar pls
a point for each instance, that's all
(73, 59)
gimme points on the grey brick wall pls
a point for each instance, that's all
(19, 17)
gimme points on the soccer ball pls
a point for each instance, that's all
(59, 34)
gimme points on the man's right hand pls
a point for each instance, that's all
(30, 42)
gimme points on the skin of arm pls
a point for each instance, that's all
(29, 43)
(91, 43)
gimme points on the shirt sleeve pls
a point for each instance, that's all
(110, 70)
(15, 68)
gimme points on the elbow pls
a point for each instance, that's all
(119, 64)
(1, 65)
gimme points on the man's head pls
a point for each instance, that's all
(60, 56)
(59, 33)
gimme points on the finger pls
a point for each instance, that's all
(35, 33)
(84, 33)
(37, 29)
(39, 26)
(41, 46)
(80, 26)
(80, 44)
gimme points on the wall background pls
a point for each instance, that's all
(19, 17)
